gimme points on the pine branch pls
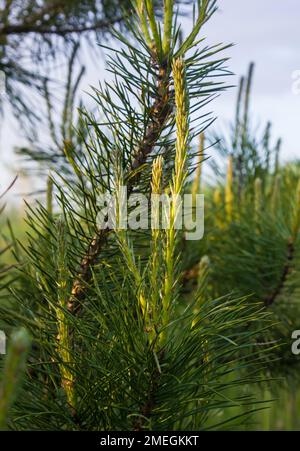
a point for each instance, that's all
(159, 114)
(116, 373)
(59, 31)
(176, 186)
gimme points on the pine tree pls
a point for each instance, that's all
(116, 343)
(252, 228)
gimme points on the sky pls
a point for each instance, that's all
(266, 32)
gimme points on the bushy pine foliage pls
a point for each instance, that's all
(116, 341)
(252, 229)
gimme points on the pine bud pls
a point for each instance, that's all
(157, 169)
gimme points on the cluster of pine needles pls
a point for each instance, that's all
(115, 329)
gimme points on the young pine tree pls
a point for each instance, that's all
(253, 230)
(116, 344)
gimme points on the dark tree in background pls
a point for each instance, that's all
(36, 38)
(34, 34)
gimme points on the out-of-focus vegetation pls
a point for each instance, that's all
(36, 35)
(251, 244)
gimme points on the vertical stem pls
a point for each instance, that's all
(168, 19)
(275, 200)
(239, 151)
(177, 183)
(129, 257)
(64, 344)
(257, 198)
(229, 191)
(267, 145)
(277, 155)
(156, 188)
(247, 103)
(238, 113)
(50, 196)
(153, 24)
(140, 9)
(218, 203)
(197, 179)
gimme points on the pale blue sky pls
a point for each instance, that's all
(268, 33)
(264, 31)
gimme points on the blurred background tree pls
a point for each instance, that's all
(34, 34)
